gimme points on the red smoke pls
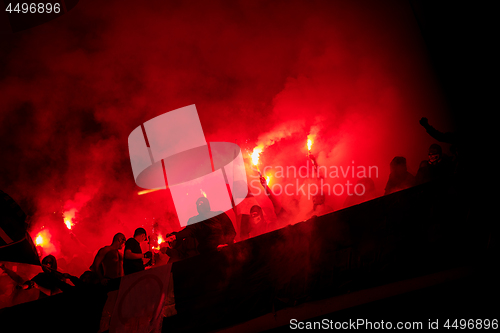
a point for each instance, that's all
(354, 74)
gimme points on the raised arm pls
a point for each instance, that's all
(438, 135)
(274, 200)
(13, 275)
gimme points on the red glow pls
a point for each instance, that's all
(255, 155)
(39, 240)
(355, 76)
(68, 218)
(43, 240)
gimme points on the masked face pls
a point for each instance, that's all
(255, 217)
(433, 157)
(203, 206)
(49, 263)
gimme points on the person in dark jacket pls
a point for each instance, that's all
(132, 258)
(254, 224)
(399, 178)
(437, 166)
(50, 281)
(205, 235)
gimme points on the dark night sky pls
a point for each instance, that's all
(358, 73)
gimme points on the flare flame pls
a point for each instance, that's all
(68, 218)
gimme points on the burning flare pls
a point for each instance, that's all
(42, 240)
(39, 240)
(255, 155)
(309, 144)
(160, 240)
(203, 193)
(268, 180)
(148, 191)
(68, 223)
(68, 218)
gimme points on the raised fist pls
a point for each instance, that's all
(424, 122)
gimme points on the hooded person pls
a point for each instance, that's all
(437, 166)
(204, 211)
(459, 144)
(206, 231)
(50, 281)
(254, 224)
(399, 178)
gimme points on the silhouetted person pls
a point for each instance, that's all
(204, 211)
(318, 200)
(108, 262)
(50, 281)
(283, 216)
(369, 192)
(207, 235)
(437, 166)
(132, 261)
(456, 140)
(399, 178)
(254, 224)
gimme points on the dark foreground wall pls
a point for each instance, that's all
(419, 231)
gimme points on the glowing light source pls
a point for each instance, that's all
(309, 144)
(268, 180)
(43, 243)
(68, 223)
(39, 240)
(160, 240)
(43, 238)
(68, 218)
(148, 191)
(255, 155)
(203, 193)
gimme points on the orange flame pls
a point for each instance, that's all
(68, 223)
(68, 218)
(39, 240)
(255, 155)
(42, 239)
(268, 180)
(148, 191)
(309, 144)
(160, 240)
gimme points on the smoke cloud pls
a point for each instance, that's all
(354, 75)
